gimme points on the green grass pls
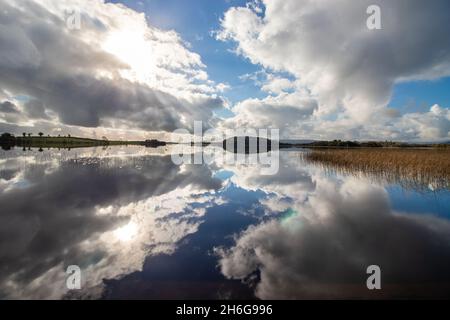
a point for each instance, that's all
(67, 142)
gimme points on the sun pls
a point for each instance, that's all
(134, 49)
(126, 233)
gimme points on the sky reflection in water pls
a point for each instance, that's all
(140, 226)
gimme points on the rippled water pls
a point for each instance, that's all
(140, 226)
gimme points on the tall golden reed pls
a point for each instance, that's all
(428, 168)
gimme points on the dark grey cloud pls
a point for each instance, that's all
(35, 109)
(41, 58)
(8, 107)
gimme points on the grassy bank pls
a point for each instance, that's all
(426, 167)
(66, 142)
(8, 141)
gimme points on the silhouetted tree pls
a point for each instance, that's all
(24, 134)
(6, 136)
(40, 134)
(30, 135)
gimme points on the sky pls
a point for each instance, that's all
(142, 69)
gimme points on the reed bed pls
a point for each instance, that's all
(412, 168)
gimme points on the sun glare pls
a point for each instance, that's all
(126, 233)
(134, 50)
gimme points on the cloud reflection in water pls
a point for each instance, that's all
(140, 226)
(80, 212)
(330, 233)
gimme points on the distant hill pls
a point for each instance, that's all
(296, 141)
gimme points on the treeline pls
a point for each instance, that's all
(7, 141)
(29, 138)
(374, 144)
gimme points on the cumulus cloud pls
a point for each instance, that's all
(427, 125)
(277, 85)
(348, 68)
(284, 110)
(116, 71)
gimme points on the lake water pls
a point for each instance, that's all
(140, 226)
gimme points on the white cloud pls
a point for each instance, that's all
(221, 87)
(431, 125)
(285, 110)
(348, 68)
(277, 85)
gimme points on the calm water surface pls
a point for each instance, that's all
(140, 226)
